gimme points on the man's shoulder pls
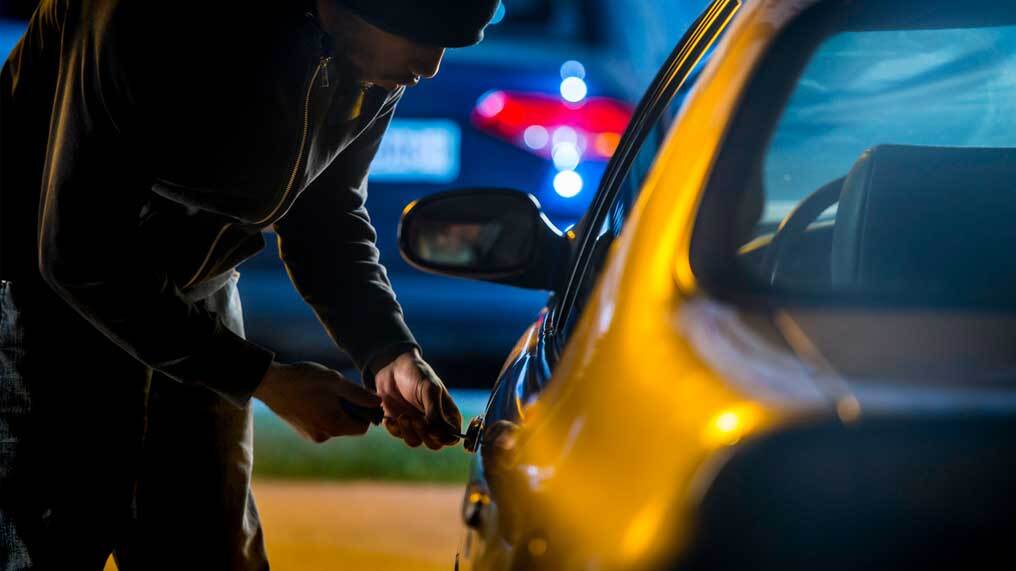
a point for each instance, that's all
(183, 52)
(184, 33)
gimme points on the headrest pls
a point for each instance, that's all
(927, 220)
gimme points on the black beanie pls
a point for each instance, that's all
(443, 23)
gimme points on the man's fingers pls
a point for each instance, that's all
(358, 395)
(448, 439)
(441, 413)
(409, 433)
(394, 402)
(419, 427)
(433, 410)
(425, 412)
(443, 418)
(451, 411)
(430, 400)
(432, 441)
(393, 427)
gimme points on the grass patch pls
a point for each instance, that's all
(280, 453)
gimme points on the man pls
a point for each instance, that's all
(145, 146)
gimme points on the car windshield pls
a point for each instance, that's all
(887, 164)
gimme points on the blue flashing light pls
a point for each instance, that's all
(568, 183)
(572, 68)
(573, 89)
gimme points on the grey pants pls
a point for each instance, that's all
(100, 454)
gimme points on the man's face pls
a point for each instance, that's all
(376, 56)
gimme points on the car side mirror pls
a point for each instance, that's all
(488, 234)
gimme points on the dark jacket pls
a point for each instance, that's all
(146, 145)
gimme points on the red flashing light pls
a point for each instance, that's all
(597, 121)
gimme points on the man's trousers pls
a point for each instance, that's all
(100, 454)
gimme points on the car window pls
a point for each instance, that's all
(945, 88)
(866, 197)
(616, 214)
(627, 171)
(889, 166)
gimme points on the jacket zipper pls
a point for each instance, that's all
(322, 65)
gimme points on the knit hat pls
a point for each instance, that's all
(443, 23)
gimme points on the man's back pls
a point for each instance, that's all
(204, 106)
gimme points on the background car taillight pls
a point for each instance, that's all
(566, 128)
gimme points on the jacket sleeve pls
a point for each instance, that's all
(327, 243)
(95, 181)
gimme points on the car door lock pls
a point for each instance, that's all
(471, 439)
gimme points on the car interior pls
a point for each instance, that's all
(877, 156)
(908, 218)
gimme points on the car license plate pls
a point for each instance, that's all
(418, 150)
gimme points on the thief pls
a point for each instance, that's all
(148, 148)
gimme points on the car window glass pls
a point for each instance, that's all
(916, 131)
(637, 150)
(861, 90)
(865, 198)
(617, 212)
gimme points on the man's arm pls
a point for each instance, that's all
(328, 245)
(94, 184)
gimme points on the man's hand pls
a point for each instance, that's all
(315, 400)
(418, 408)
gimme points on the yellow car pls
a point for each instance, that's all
(784, 334)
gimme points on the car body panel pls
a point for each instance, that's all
(581, 418)
(658, 385)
